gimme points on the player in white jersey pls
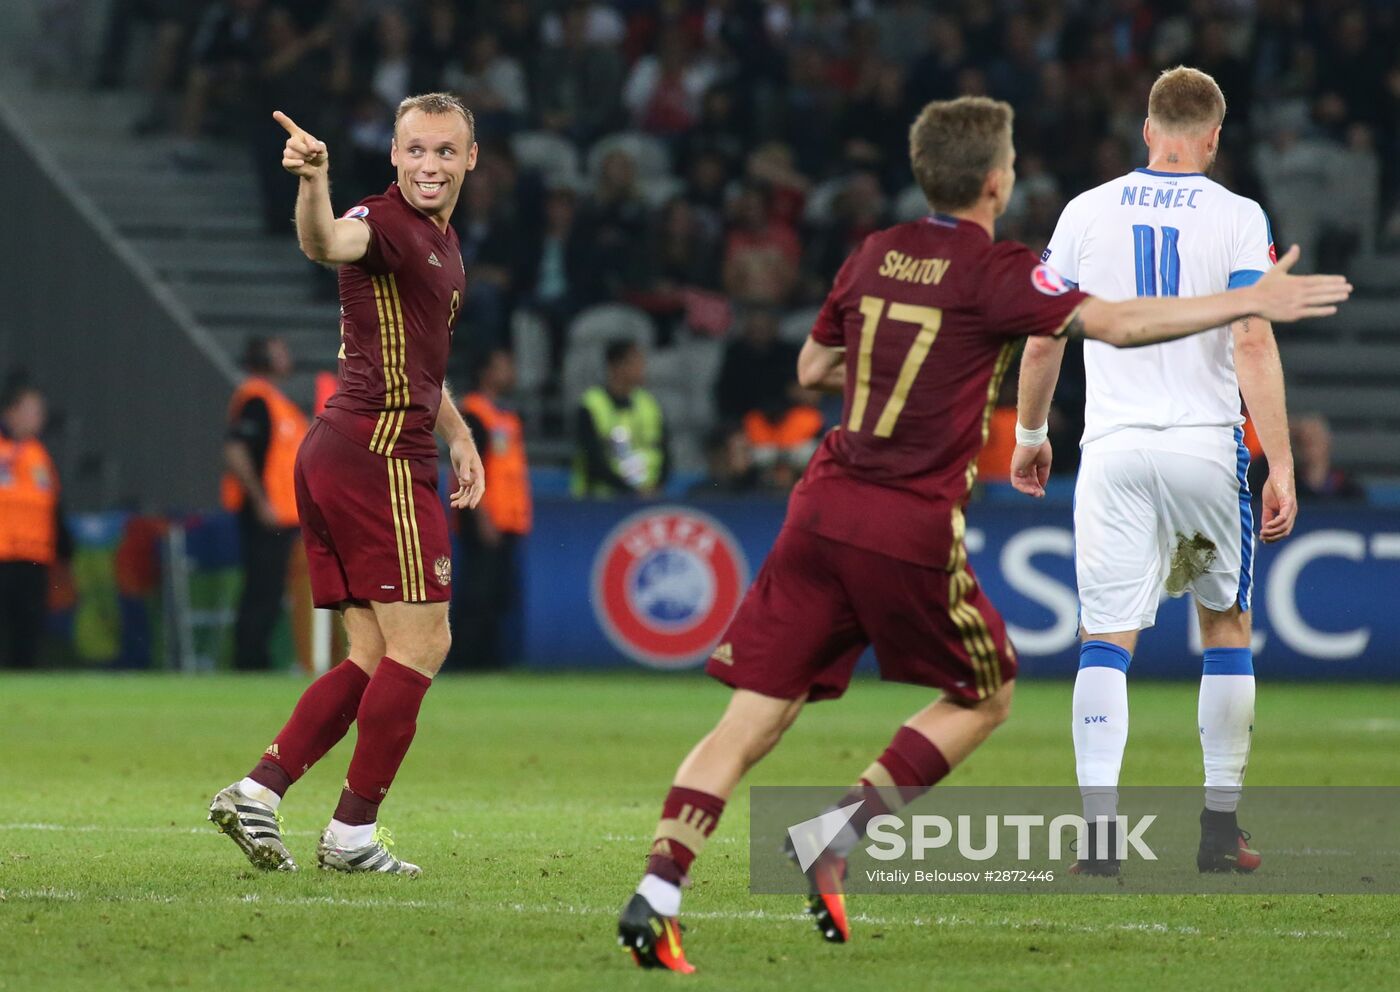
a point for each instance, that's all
(1161, 499)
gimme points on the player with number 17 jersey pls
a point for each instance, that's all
(929, 314)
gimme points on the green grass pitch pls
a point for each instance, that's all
(530, 800)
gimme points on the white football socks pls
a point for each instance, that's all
(350, 836)
(664, 897)
(1100, 725)
(260, 792)
(1225, 716)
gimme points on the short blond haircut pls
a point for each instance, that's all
(1184, 100)
(953, 144)
(436, 103)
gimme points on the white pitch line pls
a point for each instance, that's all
(96, 828)
(361, 903)
(1378, 725)
(752, 915)
(49, 894)
(1033, 924)
(209, 831)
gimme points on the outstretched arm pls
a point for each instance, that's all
(1278, 296)
(323, 237)
(1260, 373)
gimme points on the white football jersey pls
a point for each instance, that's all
(1161, 234)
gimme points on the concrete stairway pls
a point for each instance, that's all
(1348, 368)
(200, 232)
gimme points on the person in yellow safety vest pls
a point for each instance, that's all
(264, 432)
(33, 537)
(623, 448)
(490, 536)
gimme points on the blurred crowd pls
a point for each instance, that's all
(712, 162)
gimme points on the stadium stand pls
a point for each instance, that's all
(808, 106)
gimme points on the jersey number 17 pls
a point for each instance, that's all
(872, 308)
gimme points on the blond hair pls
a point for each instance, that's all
(1185, 100)
(953, 144)
(436, 103)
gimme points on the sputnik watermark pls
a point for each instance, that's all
(895, 838)
(1038, 839)
(930, 832)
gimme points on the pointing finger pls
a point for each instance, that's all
(287, 123)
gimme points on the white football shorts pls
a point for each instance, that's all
(1148, 520)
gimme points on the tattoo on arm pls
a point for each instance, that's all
(1244, 324)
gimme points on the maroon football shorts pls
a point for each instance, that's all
(374, 527)
(817, 604)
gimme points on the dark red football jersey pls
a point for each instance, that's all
(398, 305)
(930, 313)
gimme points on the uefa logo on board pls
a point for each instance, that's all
(666, 583)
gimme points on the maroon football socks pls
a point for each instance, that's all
(688, 817)
(322, 717)
(910, 766)
(388, 717)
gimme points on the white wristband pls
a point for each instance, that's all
(1032, 438)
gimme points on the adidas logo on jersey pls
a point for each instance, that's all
(724, 654)
(433, 259)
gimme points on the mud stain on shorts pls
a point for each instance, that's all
(1191, 558)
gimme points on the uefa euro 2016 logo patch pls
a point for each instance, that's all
(666, 583)
(1048, 281)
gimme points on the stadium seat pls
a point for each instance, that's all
(795, 326)
(609, 321)
(648, 154)
(658, 190)
(701, 358)
(529, 340)
(667, 377)
(588, 337)
(821, 202)
(552, 156)
(910, 204)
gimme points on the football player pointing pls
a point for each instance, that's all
(376, 536)
(918, 330)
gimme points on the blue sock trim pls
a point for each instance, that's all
(1228, 661)
(1101, 654)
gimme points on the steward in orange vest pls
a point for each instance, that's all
(501, 440)
(271, 429)
(490, 535)
(260, 451)
(28, 501)
(32, 535)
